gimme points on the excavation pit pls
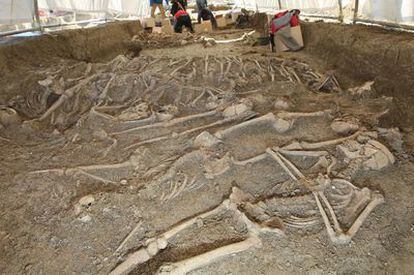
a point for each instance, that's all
(206, 159)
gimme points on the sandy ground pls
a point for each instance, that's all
(75, 184)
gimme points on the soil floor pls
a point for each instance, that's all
(87, 184)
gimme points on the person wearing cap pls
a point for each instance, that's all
(178, 5)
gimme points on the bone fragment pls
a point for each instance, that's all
(206, 65)
(310, 146)
(198, 98)
(104, 92)
(377, 199)
(132, 261)
(286, 115)
(329, 229)
(181, 67)
(344, 128)
(251, 160)
(279, 124)
(168, 123)
(363, 198)
(245, 35)
(187, 265)
(383, 149)
(129, 236)
(292, 71)
(187, 132)
(291, 165)
(333, 163)
(228, 68)
(258, 64)
(65, 96)
(324, 82)
(86, 170)
(250, 92)
(286, 73)
(281, 163)
(142, 255)
(331, 212)
(300, 222)
(301, 153)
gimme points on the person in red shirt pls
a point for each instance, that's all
(178, 5)
(182, 19)
(280, 27)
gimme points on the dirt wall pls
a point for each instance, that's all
(90, 44)
(366, 53)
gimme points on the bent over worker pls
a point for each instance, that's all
(280, 29)
(182, 19)
(205, 13)
(178, 5)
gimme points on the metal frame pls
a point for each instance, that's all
(36, 15)
(314, 15)
(356, 10)
(2, 34)
(280, 4)
(385, 24)
(43, 27)
(341, 11)
(103, 20)
(323, 16)
(356, 20)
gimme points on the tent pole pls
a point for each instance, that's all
(280, 4)
(37, 16)
(356, 9)
(341, 11)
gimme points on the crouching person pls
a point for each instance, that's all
(205, 13)
(182, 19)
(280, 29)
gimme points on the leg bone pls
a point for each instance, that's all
(318, 145)
(187, 265)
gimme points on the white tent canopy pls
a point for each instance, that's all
(138, 8)
(396, 11)
(400, 11)
(16, 11)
